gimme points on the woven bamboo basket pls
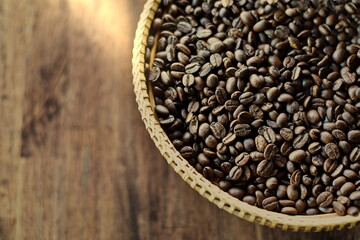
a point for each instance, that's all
(316, 223)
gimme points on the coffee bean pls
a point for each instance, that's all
(285, 97)
(268, 134)
(221, 95)
(216, 60)
(242, 130)
(332, 150)
(354, 211)
(270, 151)
(217, 47)
(184, 27)
(339, 208)
(245, 117)
(344, 200)
(218, 130)
(301, 140)
(295, 178)
(231, 105)
(330, 165)
(260, 143)
(286, 134)
(314, 148)
(204, 130)
(261, 26)
(355, 155)
(292, 193)
(229, 139)
(236, 192)
(203, 33)
(256, 81)
(289, 210)
(270, 203)
(347, 188)
(265, 168)
(192, 68)
(246, 98)
(271, 183)
(249, 200)
(154, 74)
(354, 136)
(297, 155)
(242, 159)
(348, 77)
(235, 173)
(325, 199)
(355, 195)
(161, 110)
(247, 18)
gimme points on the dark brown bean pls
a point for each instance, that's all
(339, 208)
(324, 199)
(297, 155)
(265, 168)
(270, 203)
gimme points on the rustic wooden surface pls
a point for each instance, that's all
(75, 159)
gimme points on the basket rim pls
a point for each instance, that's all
(314, 223)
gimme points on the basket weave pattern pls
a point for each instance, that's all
(324, 222)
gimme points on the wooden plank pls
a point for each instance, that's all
(12, 75)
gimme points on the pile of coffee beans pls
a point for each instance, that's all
(261, 97)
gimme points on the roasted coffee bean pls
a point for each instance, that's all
(242, 130)
(203, 33)
(295, 178)
(242, 159)
(301, 140)
(268, 134)
(261, 26)
(330, 165)
(355, 195)
(235, 173)
(324, 199)
(184, 27)
(229, 139)
(339, 208)
(260, 143)
(354, 136)
(297, 155)
(192, 68)
(270, 151)
(314, 148)
(332, 151)
(289, 210)
(347, 188)
(286, 134)
(246, 98)
(265, 168)
(249, 200)
(354, 211)
(344, 200)
(237, 192)
(292, 193)
(270, 203)
(355, 155)
(247, 18)
(245, 117)
(218, 130)
(272, 183)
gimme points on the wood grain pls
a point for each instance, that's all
(76, 161)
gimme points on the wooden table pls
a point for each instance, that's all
(75, 159)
